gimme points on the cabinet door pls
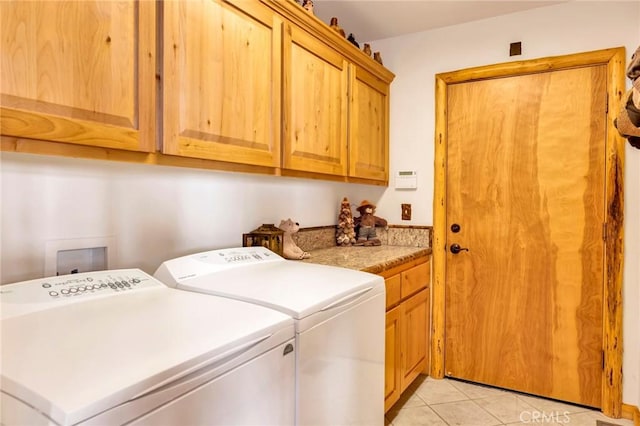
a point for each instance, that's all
(369, 127)
(79, 72)
(414, 279)
(414, 333)
(315, 105)
(222, 78)
(392, 357)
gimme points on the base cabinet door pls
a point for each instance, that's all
(407, 327)
(414, 325)
(222, 74)
(392, 373)
(79, 72)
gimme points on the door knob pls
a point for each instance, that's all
(455, 248)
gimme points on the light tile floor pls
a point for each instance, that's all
(452, 402)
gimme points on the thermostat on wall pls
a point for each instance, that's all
(406, 179)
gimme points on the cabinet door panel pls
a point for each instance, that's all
(315, 105)
(392, 357)
(80, 72)
(222, 78)
(414, 279)
(414, 337)
(369, 127)
(392, 285)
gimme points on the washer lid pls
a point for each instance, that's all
(295, 288)
(76, 360)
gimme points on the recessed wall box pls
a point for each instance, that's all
(406, 179)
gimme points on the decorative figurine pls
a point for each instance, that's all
(367, 223)
(334, 26)
(377, 57)
(367, 49)
(353, 41)
(345, 233)
(308, 5)
(290, 249)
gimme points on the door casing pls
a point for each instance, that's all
(614, 59)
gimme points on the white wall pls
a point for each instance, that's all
(154, 213)
(554, 30)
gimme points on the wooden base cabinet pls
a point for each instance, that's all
(407, 327)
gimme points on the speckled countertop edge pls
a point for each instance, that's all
(376, 259)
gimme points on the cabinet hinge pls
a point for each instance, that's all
(604, 231)
(606, 106)
(603, 360)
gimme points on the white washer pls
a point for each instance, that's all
(119, 347)
(339, 317)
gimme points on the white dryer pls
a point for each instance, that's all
(119, 347)
(340, 324)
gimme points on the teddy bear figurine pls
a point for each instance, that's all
(290, 249)
(367, 223)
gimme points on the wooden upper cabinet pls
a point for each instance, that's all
(368, 126)
(79, 72)
(315, 105)
(222, 81)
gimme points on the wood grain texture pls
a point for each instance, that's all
(315, 105)
(613, 59)
(525, 173)
(439, 243)
(614, 246)
(79, 72)
(414, 322)
(312, 25)
(392, 365)
(407, 335)
(631, 412)
(32, 146)
(368, 126)
(393, 289)
(415, 279)
(222, 78)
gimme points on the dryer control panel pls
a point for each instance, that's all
(44, 293)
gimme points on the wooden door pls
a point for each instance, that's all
(222, 77)
(315, 105)
(79, 72)
(526, 185)
(368, 126)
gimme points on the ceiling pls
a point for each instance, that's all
(371, 20)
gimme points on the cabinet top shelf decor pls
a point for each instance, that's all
(294, 13)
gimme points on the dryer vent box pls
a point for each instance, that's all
(63, 257)
(81, 260)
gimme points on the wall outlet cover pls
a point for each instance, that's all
(406, 211)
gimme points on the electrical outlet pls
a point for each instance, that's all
(406, 211)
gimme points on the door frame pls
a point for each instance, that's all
(613, 229)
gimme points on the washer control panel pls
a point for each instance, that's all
(49, 292)
(177, 270)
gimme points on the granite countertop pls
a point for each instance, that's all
(374, 259)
